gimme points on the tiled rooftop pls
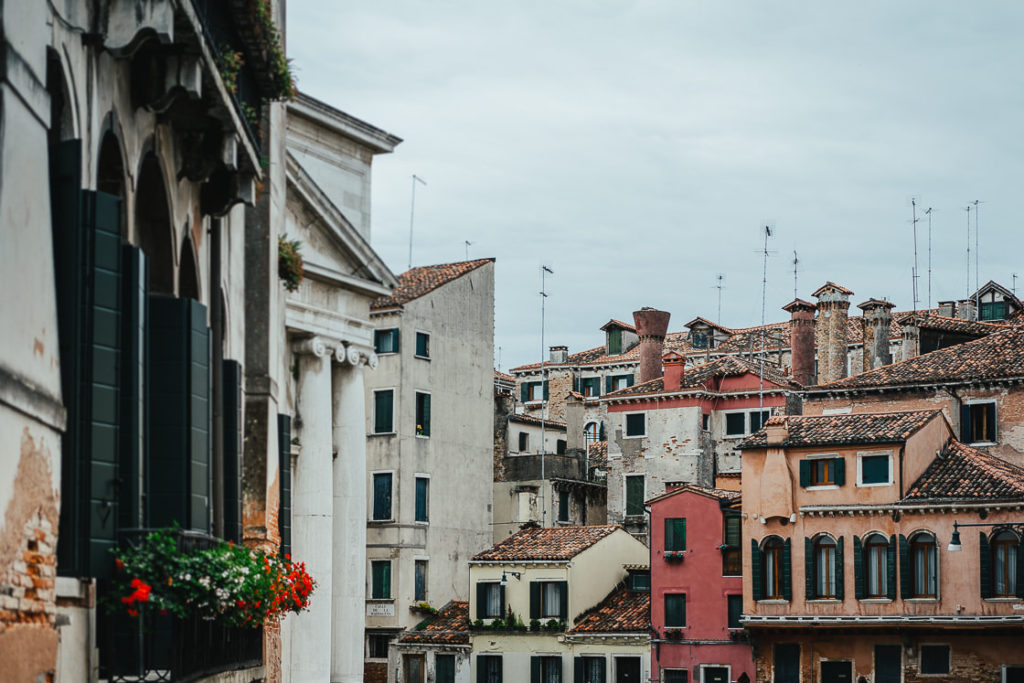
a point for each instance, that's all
(498, 374)
(449, 626)
(964, 473)
(997, 356)
(934, 321)
(623, 611)
(698, 377)
(720, 494)
(412, 284)
(561, 543)
(841, 430)
(531, 420)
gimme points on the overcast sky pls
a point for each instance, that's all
(637, 148)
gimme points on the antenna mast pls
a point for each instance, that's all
(968, 247)
(929, 214)
(544, 270)
(412, 211)
(764, 294)
(1014, 289)
(977, 270)
(719, 287)
(796, 262)
(913, 208)
(468, 245)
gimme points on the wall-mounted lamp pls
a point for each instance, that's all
(954, 543)
(504, 576)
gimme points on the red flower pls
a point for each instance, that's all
(119, 563)
(133, 612)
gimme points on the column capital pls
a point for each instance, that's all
(355, 355)
(313, 346)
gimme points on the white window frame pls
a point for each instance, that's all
(870, 454)
(589, 379)
(415, 339)
(398, 334)
(995, 410)
(949, 664)
(625, 428)
(394, 416)
(416, 425)
(725, 424)
(416, 477)
(1004, 667)
(824, 456)
(394, 500)
(502, 608)
(727, 667)
(624, 378)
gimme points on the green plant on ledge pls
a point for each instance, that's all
(230, 63)
(289, 262)
(277, 62)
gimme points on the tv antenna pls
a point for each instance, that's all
(412, 211)
(468, 245)
(764, 294)
(544, 271)
(968, 247)
(719, 278)
(913, 209)
(977, 269)
(796, 263)
(928, 212)
(1014, 288)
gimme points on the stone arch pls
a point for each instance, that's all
(153, 225)
(62, 112)
(188, 273)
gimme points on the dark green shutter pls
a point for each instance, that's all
(284, 455)
(524, 392)
(445, 668)
(840, 465)
(1020, 570)
(481, 600)
(232, 440)
(906, 584)
(546, 390)
(805, 473)
(607, 384)
(563, 600)
(576, 384)
(421, 499)
(501, 598)
(535, 599)
(985, 565)
(535, 670)
(383, 411)
(578, 671)
(840, 570)
(675, 533)
(629, 380)
(890, 569)
(481, 668)
(809, 576)
(179, 393)
(426, 415)
(858, 569)
(756, 571)
(134, 360)
(787, 572)
(602, 435)
(990, 422)
(966, 436)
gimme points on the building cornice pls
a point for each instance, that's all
(750, 620)
(924, 507)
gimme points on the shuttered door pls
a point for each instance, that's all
(134, 360)
(179, 393)
(284, 451)
(231, 371)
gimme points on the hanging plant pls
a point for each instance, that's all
(228, 583)
(289, 262)
(230, 62)
(278, 64)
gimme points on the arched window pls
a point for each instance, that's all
(773, 565)
(825, 567)
(876, 566)
(925, 576)
(591, 432)
(1004, 547)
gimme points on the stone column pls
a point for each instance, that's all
(311, 512)
(349, 505)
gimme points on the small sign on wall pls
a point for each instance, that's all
(380, 609)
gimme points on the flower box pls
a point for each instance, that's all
(675, 555)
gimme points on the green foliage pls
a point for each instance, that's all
(230, 62)
(289, 262)
(279, 64)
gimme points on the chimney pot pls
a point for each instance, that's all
(965, 310)
(801, 340)
(651, 327)
(674, 370)
(776, 430)
(830, 332)
(558, 354)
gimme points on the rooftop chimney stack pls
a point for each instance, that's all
(877, 327)
(801, 340)
(558, 354)
(651, 326)
(965, 310)
(674, 370)
(830, 331)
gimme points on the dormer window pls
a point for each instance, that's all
(614, 341)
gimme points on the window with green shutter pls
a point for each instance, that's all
(380, 588)
(614, 341)
(591, 387)
(385, 341)
(382, 496)
(284, 454)
(634, 495)
(636, 424)
(675, 610)
(420, 581)
(735, 424)
(874, 469)
(383, 411)
(444, 669)
(675, 533)
(422, 345)
(735, 610)
(231, 438)
(563, 506)
(422, 414)
(732, 548)
(422, 498)
(488, 669)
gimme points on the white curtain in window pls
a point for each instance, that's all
(552, 594)
(876, 570)
(1005, 569)
(552, 670)
(494, 599)
(769, 573)
(593, 671)
(826, 570)
(924, 569)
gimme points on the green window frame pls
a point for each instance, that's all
(735, 611)
(564, 497)
(489, 669)
(380, 583)
(385, 341)
(675, 533)
(675, 610)
(422, 413)
(422, 499)
(735, 424)
(384, 411)
(732, 547)
(874, 469)
(444, 668)
(382, 495)
(422, 345)
(634, 495)
(636, 424)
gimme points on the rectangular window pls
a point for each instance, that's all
(444, 667)
(735, 424)
(978, 422)
(621, 382)
(560, 446)
(422, 414)
(422, 345)
(731, 545)
(414, 668)
(735, 610)
(640, 581)
(489, 599)
(377, 645)
(546, 669)
(524, 442)
(627, 669)
(993, 310)
(384, 411)
(422, 499)
(675, 676)
(591, 387)
(614, 341)
(551, 599)
(705, 421)
(563, 506)
(874, 470)
(420, 581)
(757, 419)
(823, 472)
(385, 341)
(380, 586)
(593, 669)
(634, 495)
(531, 391)
(675, 610)
(488, 668)
(935, 659)
(675, 533)
(382, 496)
(636, 424)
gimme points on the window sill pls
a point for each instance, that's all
(421, 522)
(822, 487)
(422, 357)
(385, 353)
(825, 601)
(379, 522)
(876, 601)
(423, 436)
(634, 436)
(874, 485)
(380, 599)
(1004, 599)
(773, 601)
(921, 600)
(382, 434)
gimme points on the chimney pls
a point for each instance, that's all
(947, 308)
(776, 430)
(574, 423)
(830, 331)
(876, 325)
(911, 345)
(651, 326)
(558, 354)
(674, 370)
(801, 340)
(965, 310)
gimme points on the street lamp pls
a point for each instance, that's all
(504, 576)
(954, 543)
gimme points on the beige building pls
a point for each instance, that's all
(429, 436)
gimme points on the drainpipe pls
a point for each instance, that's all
(650, 608)
(217, 383)
(901, 470)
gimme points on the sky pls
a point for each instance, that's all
(638, 149)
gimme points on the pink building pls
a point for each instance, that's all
(696, 588)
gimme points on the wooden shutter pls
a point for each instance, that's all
(840, 571)
(756, 571)
(675, 533)
(481, 600)
(840, 465)
(578, 670)
(134, 360)
(445, 668)
(563, 600)
(1020, 569)
(809, 575)
(546, 390)
(231, 398)
(966, 434)
(805, 473)
(787, 573)
(179, 393)
(535, 676)
(426, 414)
(859, 579)
(629, 380)
(501, 598)
(890, 569)
(990, 422)
(607, 384)
(535, 587)
(383, 411)
(602, 435)
(906, 584)
(524, 392)
(985, 565)
(481, 668)
(284, 463)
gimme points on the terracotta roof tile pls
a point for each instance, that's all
(830, 284)
(842, 430)
(622, 611)
(997, 356)
(598, 453)
(449, 626)
(561, 543)
(720, 494)
(697, 377)
(964, 473)
(618, 323)
(934, 321)
(412, 284)
(531, 420)
(498, 374)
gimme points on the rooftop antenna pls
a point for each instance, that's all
(913, 209)
(796, 263)
(1014, 288)
(928, 212)
(544, 271)
(764, 294)
(719, 287)
(968, 247)
(977, 270)
(468, 245)
(499, 359)
(412, 211)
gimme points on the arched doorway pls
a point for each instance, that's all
(153, 226)
(188, 276)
